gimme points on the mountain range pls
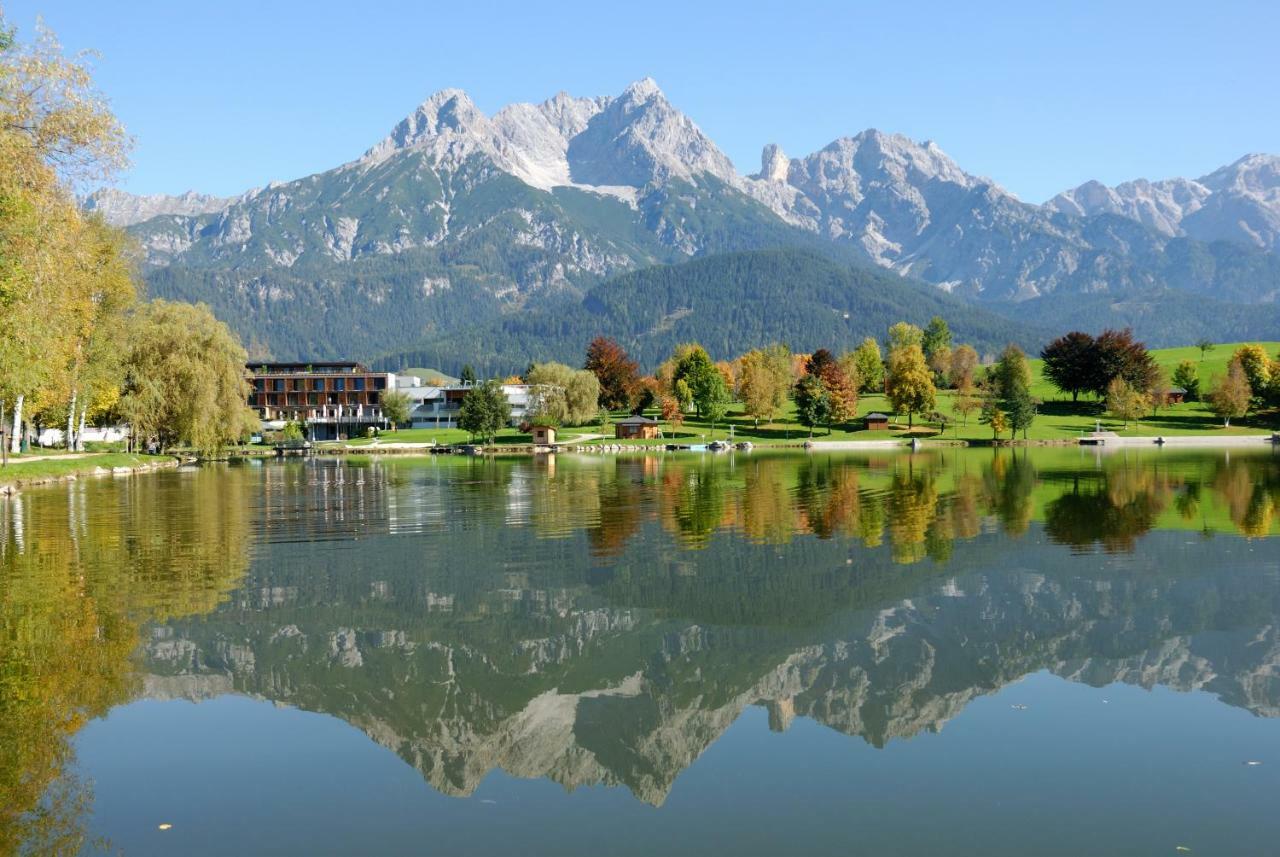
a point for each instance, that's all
(458, 224)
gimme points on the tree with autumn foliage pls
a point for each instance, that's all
(842, 391)
(618, 374)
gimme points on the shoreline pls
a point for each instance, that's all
(93, 466)
(896, 444)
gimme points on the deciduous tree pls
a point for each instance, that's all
(484, 411)
(617, 373)
(184, 377)
(909, 383)
(1070, 363)
(1229, 396)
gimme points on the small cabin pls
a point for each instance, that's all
(636, 427)
(543, 435)
(877, 422)
(1175, 395)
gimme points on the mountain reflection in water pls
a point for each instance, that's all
(602, 620)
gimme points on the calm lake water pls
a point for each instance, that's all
(1013, 652)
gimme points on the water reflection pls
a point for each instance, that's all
(604, 620)
(82, 569)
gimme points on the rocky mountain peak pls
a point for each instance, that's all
(774, 164)
(641, 91)
(121, 208)
(1254, 174)
(449, 111)
(640, 138)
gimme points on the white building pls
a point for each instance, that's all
(437, 406)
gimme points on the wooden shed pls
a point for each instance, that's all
(544, 435)
(877, 422)
(636, 427)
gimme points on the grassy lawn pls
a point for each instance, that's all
(1059, 418)
(23, 471)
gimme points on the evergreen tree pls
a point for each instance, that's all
(468, 374)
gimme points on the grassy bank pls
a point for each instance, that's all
(21, 472)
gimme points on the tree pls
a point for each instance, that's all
(1229, 396)
(395, 408)
(936, 338)
(964, 363)
(998, 421)
(467, 375)
(909, 384)
(764, 377)
(581, 389)
(1187, 376)
(693, 366)
(547, 406)
(1120, 356)
(902, 335)
(940, 363)
(712, 399)
(55, 129)
(1205, 346)
(647, 393)
(1258, 371)
(184, 377)
(1070, 363)
(672, 411)
(484, 411)
(870, 367)
(1125, 401)
(965, 401)
(1011, 381)
(813, 406)
(617, 373)
(842, 393)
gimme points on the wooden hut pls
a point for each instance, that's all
(877, 422)
(636, 427)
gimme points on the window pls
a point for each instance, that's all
(357, 383)
(339, 384)
(313, 399)
(379, 383)
(278, 385)
(318, 385)
(296, 386)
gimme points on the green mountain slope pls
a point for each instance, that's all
(730, 303)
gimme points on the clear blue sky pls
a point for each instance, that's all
(228, 95)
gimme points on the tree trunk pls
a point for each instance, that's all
(84, 412)
(15, 442)
(69, 440)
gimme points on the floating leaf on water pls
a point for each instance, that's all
(1018, 707)
(1253, 763)
(1182, 848)
(165, 826)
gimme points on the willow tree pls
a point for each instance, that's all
(184, 377)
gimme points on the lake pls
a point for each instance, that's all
(968, 652)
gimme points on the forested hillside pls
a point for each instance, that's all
(730, 303)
